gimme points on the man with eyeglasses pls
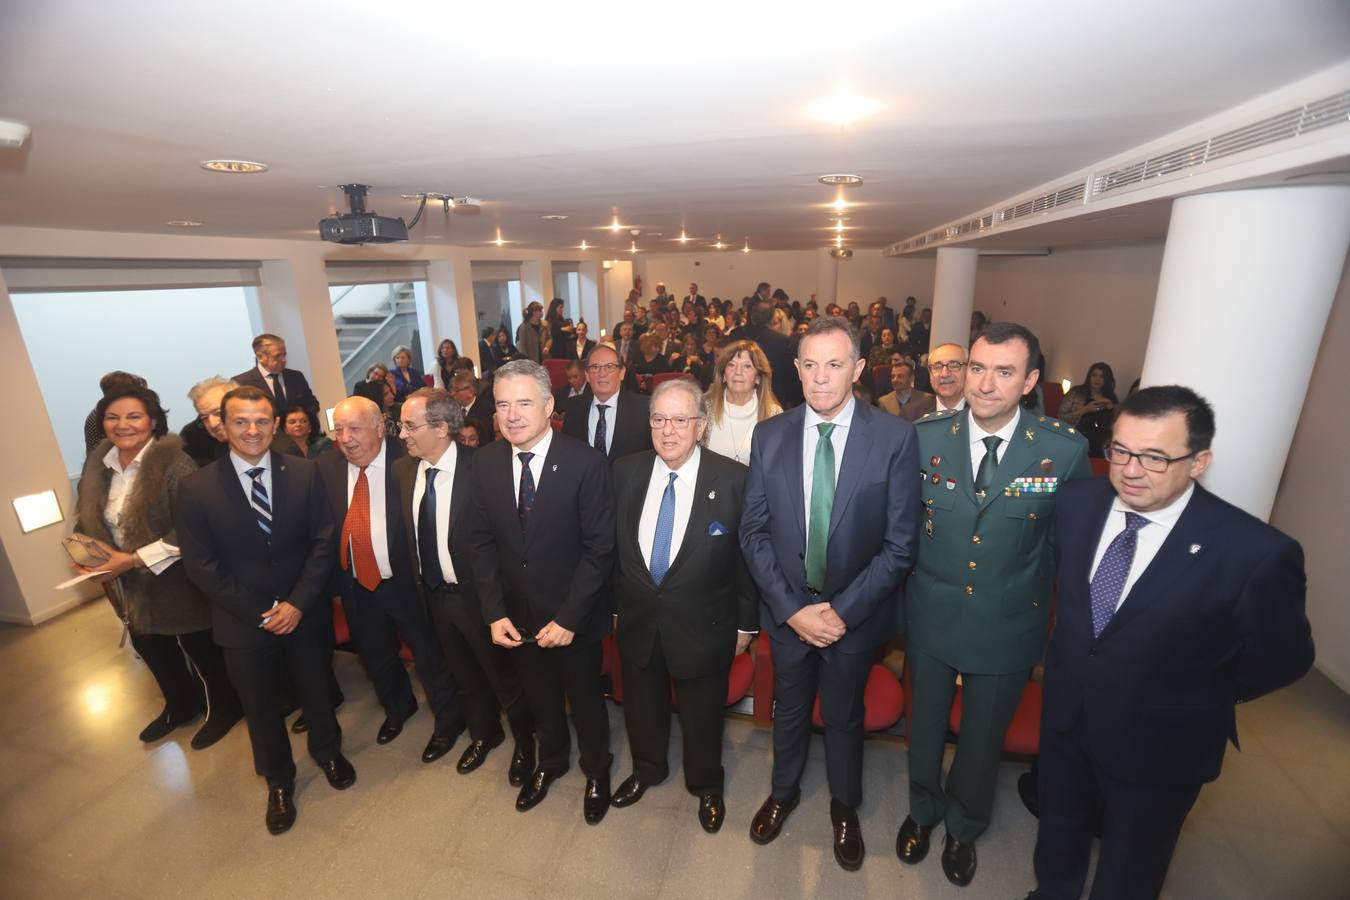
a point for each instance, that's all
(204, 438)
(980, 595)
(610, 419)
(947, 375)
(686, 604)
(1173, 607)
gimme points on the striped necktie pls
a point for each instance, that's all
(262, 509)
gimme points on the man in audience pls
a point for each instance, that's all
(374, 579)
(530, 334)
(777, 348)
(922, 332)
(981, 593)
(871, 335)
(1173, 607)
(611, 420)
(829, 534)
(256, 535)
(665, 345)
(435, 488)
(884, 313)
(686, 603)
(627, 343)
(540, 568)
(695, 297)
(204, 438)
(576, 386)
(903, 400)
(288, 387)
(947, 370)
(641, 323)
(476, 400)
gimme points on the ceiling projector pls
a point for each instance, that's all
(360, 226)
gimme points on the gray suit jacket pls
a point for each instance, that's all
(919, 404)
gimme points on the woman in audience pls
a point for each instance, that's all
(692, 362)
(1088, 406)
(381, 393)
(472, 433)
(741, 396)
(649, 362)
(977, 322)
(298, 428)
(125, 503)
(561, 332)
(406, 378)
(712, 337)
(503, 351)
(782, 322)
(715, 317)
(880, 354)
(447, 354)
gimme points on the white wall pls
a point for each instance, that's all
(74, 339)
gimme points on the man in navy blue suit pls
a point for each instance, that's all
(829, 529)
(1173, 607)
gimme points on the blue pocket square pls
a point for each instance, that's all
(716, 529)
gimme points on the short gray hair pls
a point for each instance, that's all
(207, 385)
(687, 384)
(827, 324)
(401, 348)
(440, 407)
(526, 368)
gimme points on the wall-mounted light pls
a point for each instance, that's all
(1066, 384)
(37, 510)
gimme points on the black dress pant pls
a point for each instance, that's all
(1140, 825)
(702, 709)
(377, 619)
(554, 678)
(190, 671)
(260, 675)
(488, 683)
(840, 679)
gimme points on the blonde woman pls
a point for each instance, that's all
(741, 396)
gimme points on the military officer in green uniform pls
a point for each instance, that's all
(979, 598)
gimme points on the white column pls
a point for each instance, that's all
(450, 308)
(589, 276)
(827, 279)
(293, 302)
(1248, 278)
(536, 281)
(953, 295)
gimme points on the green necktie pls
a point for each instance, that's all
(822, 501)
(985, 476)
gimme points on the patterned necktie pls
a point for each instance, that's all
(601, 430)
(665, 531)
(262, 510)
(357, 547)
(1113, 571)
(822, 502)
(525, 501)
(984, 478)
(428, 547)
(276, 387)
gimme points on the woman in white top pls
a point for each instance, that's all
(741, 396)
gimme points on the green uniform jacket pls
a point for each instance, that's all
(979, 598)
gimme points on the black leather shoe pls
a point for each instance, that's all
(389, 729)
(712, 812)
(766, 824)
(595, 802)
(280, 809)
(1026, 790)
(911, 844)
(215, 728)
(958, 861)
(522, 764)
(339, 772)
(848, 842)
(630, 791)
(476, 754)
(534, 790)
(162, 724)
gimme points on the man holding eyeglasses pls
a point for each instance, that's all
(687, 606)
(979, 598)
(610, 419)
(1174, 606)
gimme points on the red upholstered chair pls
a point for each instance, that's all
(1024, 733)
(883, 701)
(763, 708)
(429, 380)
(556, 423)
(881, 380)
(557, 371)
(610, 665)
(666, 376)
(1053, 392)
(1100, 467)
(644, 383)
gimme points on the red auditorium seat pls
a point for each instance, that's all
(1100, 467)
(1053, 392)
(340, 628)
(557, 371)
(738, 681)
(429, 380)
(1024, 734)
(665, 376)
(883, 701)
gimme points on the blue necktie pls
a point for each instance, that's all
(665, 531)
(427, 549)
(525, 501)
(601, 430)
(1113, 571)
(262, 510)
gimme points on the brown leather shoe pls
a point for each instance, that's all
(848, 842)
(911, 844)
(766, 824)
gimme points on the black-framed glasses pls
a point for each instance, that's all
(954, 366)
(1152, 462)
(680, 422)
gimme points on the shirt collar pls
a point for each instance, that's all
(611, 403)
(242, 465)
(376, 463)
(267, 376)
(444, 461)
(687, 473)
(1167, 516)
(843, 420)
(111, 460)
(978, 434)
(540, 450)
(941, 407)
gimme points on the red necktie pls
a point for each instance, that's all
(356, 536)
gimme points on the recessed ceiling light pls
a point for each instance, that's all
(234, 166)
(633, 248)
(583, 244)
(554, 217)
(616, 226)
(183, 223)
(843, 107)
(683, 238)
(499, 240)
(746, 248)
(841, 179)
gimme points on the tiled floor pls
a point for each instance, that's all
(88, 811)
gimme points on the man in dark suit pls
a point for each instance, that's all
(576, 386)
(829, 532)
(271, 375)
(778, 348)
(695, 297)
(686, 603)
(1173, 607)
(611, 420)
(469, 393)
(256, 535)
(204, 437)
(437, 520)
(487, 360)
(542, 548)
(377, 584)
(626, 342)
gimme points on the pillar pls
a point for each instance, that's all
(1248, 278)
(449, 309)
(953, 295)
(589, 276)
(536, 281)
(292, 301)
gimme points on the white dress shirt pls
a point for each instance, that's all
(241, 467)
(1148, 540)
(379, 532)
(540, 450)
(593, 419)
(156, 555)
(267, 380)
(685, 480)
(941, 407)
(445, 484)
(811, 435)
(978, 434)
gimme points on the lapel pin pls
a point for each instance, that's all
(1195, 548)
(1047, 464)
(555, 467)
(956, 428)
(935, 461)
(936, 478)
(1029, 435)
(712, 495)
(1056, 424)
(951, 484)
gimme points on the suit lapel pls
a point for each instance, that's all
(791, 462)
(958, 455)
(280, 482)
(459, 489)
(700, 515)
(854, 462)
(547, 475)
(634, 501)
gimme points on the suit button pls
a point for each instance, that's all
(970, 589)
(1092, 651)
(975, 539)
(1031, 515)
(524, 564)
(971, 564)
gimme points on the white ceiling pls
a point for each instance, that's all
(689, 115)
